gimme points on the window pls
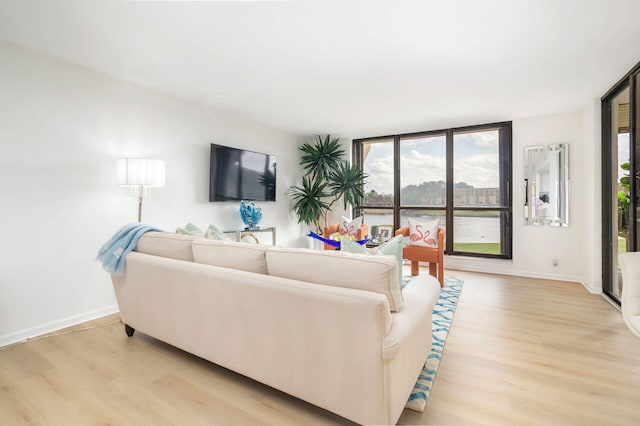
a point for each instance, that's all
(461, 176)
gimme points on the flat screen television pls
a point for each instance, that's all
(236, 174)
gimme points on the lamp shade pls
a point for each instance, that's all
(140, 172)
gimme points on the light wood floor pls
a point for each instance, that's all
(521, 351)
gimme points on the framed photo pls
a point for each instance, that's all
(385, 232)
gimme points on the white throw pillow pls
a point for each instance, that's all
(423, 234)
(350, 227)
(230, 254)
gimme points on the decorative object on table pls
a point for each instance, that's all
(334, 243)
(442, 317)
(326, 179)
(250, 214)
(381, 233)
(250, 238)
(141, 174)
(240, 234)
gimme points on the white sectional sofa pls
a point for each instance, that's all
(331, 328)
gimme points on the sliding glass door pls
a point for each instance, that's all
(620, 171)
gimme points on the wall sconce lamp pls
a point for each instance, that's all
(140, 174)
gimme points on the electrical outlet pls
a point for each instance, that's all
(554, 262)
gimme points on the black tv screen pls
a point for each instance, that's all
(237, 174)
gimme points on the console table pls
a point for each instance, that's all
(239, 233)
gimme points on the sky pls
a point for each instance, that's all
(424, 160)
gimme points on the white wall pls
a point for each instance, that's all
(534, 247)
(62, 128)
(592, 197)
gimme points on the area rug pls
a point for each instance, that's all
(442, 316)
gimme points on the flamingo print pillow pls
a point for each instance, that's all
(350, 227)
(424, 234)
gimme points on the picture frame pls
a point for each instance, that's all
(385, 232)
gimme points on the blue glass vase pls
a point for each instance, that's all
(250, 214)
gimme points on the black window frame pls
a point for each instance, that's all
(505, 146)
(609, 262)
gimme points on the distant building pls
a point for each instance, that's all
(476, 196)
(433, 194)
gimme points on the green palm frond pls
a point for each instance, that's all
(326, 179)
(321, 157)
(346, 181)
(308, 203)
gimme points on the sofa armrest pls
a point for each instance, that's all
(408, 343)
(420, 296)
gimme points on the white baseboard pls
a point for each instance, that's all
(29, 333)
(492, 269)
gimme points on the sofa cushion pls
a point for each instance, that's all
(230, 254)
(378, 274)
(393, 247)
(166, 244)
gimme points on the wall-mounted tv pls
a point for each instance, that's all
(237, 174)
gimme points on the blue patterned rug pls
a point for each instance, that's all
(442, 316)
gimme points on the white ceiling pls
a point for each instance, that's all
(354, 68)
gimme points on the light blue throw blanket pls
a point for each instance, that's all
(114, 251)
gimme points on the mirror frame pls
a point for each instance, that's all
(560, 165)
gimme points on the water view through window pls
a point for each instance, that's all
(474, 203)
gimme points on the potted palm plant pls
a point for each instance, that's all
(327, 178)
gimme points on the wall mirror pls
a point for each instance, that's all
(546, 182)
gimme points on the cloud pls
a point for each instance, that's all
(380, 173)
(417, 168)
(486, 139)
(480, 171)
